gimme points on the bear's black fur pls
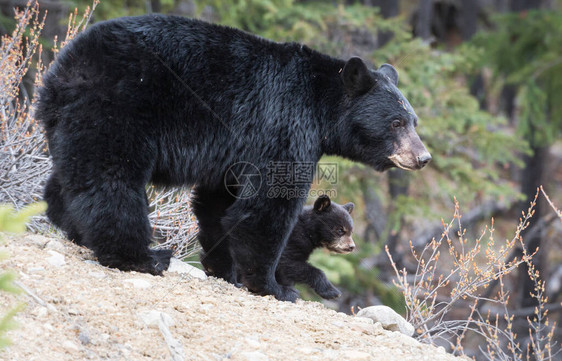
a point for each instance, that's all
(326, 224)
(176, 101)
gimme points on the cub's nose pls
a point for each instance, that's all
(350, 248)
(424, 159)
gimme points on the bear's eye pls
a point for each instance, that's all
(396, 123)
(341, 231)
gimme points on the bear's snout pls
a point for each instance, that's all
(343, 245)
(409, 151)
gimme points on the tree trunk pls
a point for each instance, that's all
(469, 17)
(375, 214)
(423, 23)
(155, 6)
(389, 9)
(531, 178)
(398, 184)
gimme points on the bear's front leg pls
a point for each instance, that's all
(210, 207)
(317, 280)
(258, 229)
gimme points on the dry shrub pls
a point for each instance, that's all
(173, 222)
(24, 161)
(445, 283)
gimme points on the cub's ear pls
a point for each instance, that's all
(322, 203)
(349, 207)
(390, 72)
(357, 79)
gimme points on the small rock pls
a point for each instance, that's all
(40, 312)
(99, 275)
(152, 318)
(364, 320)
(35, 269)
(84, 337)
(137, 283)
(180, 267)
(37, 239)
(408, 341)
(252, 341)
(354, 355)
(389, 319)
(56, 259)
(73, 312)
(251, 356)
(338, 324)
(55, 245)
(70, 346)
(89, 261)
(307, 350)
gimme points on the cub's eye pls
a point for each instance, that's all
(396, 123)
(341, 231)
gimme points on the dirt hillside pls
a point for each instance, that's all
(79, 310)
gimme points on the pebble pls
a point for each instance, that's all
(137, 283)
(152, 318)
(353, 355)
(40, 312)
(251, 356)
(97, 274)
(338, 324)
(35, 269)
(307, 350)
(55, 245)
(389, 319)
(177, 266)
(70, 346)
(56, 259)
(252, 341)
(37, 239)
(84, 337)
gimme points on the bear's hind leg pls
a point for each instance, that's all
(209, 207)
(114, 219)
(56, 209)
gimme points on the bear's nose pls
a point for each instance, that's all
(350, 248)
(424, 159)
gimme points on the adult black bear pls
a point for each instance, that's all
(326, 224)
(177, 101)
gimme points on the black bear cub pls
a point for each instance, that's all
(326, 224)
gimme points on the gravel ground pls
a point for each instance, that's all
(79, 310)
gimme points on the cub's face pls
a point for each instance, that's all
(380, 122)
(333, 225)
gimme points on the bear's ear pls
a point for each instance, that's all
(357, 79)
(322, 203)
(349, 207)
(390, 72)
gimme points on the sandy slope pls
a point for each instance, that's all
(84, 311)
